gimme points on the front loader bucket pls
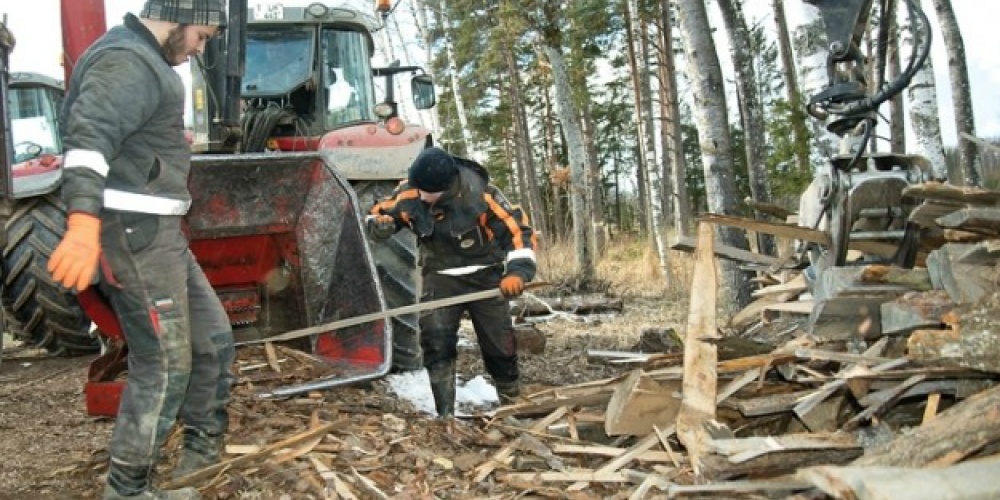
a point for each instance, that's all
(282, 241)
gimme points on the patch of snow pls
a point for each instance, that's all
(415, 387)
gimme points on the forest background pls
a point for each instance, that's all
(627, 118)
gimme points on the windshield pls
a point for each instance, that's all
(347, 75)
(277, 61)
(34, 122)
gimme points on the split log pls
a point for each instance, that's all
(974, 219)
(687, 244)
(972, 342)
(776, 211)
(915, 310)
(965, 283)
(947, 192)
(953, 435)
(915, 279)
(959, 482)
(700, 357)
(638, 404)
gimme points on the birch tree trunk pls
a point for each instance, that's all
(463, 119)
(713, 136)
(672, 124)
(923, 104)
(419, 12)
(809, 43)
(961, 91)
(897, 115)
(578, 186)
(640, 73)
(792, 92)
(751, 110)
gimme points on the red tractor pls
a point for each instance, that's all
(294, 148)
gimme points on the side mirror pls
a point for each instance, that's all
(422, 89)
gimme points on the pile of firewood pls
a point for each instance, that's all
(874, 382)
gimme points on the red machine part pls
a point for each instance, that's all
(83, 22)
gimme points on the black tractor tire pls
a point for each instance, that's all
(43, 313)
(397, 265)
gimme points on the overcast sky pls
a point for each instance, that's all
(36, 26)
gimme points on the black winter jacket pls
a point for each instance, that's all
(472, 224)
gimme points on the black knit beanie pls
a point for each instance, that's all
(433, 171)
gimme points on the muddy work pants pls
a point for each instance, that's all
(490, 319)
(180, 344)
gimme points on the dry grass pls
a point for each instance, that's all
(628, 267)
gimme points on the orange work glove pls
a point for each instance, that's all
(512, 285)
(381, 227)
(74, 261)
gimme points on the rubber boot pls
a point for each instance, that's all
(199, 450)
(442, 375)
(127, 481)
(508, 391)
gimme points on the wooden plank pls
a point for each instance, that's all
(503, 455)
(930, 411)
(840, 357)
(767, 405)
(795, 286)
(687, 244)
(618, 462)
(555, 476)
(798, 233)
(652, 456)
(740, 450)
(699, 387)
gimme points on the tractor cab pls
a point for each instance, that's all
(33, 105)
(307, 71)
(35, 100)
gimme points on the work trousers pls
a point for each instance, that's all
(490, 319)
(180, 342)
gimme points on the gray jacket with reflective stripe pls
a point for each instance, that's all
(126, 104)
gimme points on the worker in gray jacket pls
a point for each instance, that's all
(125, 188)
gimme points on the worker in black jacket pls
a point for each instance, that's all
(471, 239)
(125, 188)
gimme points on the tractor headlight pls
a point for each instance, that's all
(317, 9)
(383, 110)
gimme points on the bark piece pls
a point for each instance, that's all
(978, 349)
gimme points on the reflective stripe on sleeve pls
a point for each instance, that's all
(83, 158)
(142, 203)
(521, 253)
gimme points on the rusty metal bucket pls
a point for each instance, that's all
(281, 238)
